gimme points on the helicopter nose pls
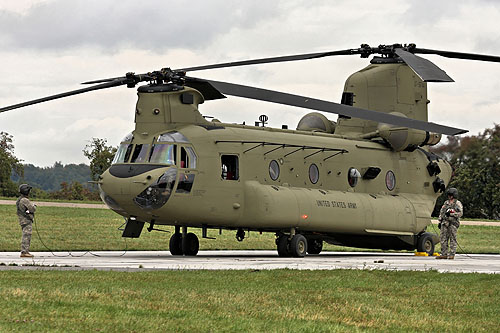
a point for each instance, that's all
(127, 189)
(157, 194)
(110, 202)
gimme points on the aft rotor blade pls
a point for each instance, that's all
(331, 107)
(459, 55)
(296, 57)
(66, 94)
(424, 68)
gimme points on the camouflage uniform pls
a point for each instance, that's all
(25, 213)
(449, 225)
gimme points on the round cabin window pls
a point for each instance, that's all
(274, 170)
(353, 176)
(390, 180)
(313, 173)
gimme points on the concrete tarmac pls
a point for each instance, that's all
(248, 260)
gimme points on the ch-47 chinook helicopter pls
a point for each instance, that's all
(367, 180)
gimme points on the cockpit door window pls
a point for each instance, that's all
(188, 158)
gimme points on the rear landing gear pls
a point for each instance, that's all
(425, 243)
(294, 247)
(283, 246)
(314, 246)
(183, 243)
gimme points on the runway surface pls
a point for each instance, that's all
(251, 260)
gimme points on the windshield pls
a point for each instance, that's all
(140, 154)
(123, 153)
(163, 153)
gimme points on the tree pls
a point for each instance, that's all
(74, 191)
(476, 164)
(8, 163)
(100, 156)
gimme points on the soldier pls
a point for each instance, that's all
(449, 221)
(26, 214)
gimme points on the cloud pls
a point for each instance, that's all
(110, 25)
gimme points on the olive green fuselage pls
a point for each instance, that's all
(269, 179)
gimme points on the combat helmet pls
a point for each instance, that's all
(24, 189)
(453, 192)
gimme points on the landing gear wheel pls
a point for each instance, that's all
(283, 246)
(190, 245)
(314, 246)
(298, 246)
(175, 244)
(425, 243)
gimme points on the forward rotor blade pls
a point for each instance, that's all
(424, 68)
(271, 60)
(459, 55)
(103, 80)
(66, 94)
(331, 107)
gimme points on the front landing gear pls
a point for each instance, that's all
(183, 243)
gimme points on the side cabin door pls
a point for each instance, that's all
(227, 194)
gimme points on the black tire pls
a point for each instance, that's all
(298, 246)
(314, 246)
(175, 244)
(190, 245)
(283, 246)
(425, 243)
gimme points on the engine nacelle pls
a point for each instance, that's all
(406, 138)
(315, 121)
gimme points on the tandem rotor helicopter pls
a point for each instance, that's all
(367, 180)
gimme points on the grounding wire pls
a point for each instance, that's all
(70, 254)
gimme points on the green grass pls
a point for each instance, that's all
(248, 301)
(63, 229)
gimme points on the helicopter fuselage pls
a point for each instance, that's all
(216, 175)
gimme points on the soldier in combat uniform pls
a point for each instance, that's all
(449, 221)
(26, 214)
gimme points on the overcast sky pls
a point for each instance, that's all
(50, 46)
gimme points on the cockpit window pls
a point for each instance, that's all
(140, 154)
(123, 153)
(128, 138)
(163, 153)
(172, 137)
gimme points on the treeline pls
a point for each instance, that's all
(67, 182)
(50, 178)
(64, 182)
(476, 172)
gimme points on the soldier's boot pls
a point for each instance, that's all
(26, 255)
(442, 257)
(451, 257)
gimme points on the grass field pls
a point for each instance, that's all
(248, 301)
(75, 229)
(231, 301)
